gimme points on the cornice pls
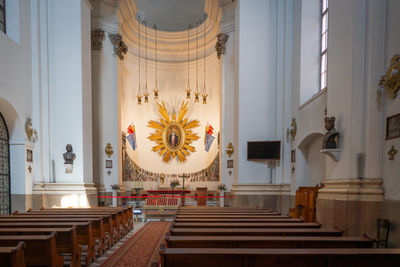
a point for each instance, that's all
(171, 46)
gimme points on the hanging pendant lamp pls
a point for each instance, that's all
(204, 93)
(197, 93)
(156, 90)
(188, 90)
(139, 92)
(146, 89)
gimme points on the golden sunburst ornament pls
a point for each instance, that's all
(173, 135)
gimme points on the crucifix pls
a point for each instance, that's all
(183, 176)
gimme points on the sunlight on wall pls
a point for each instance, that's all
(75, 201)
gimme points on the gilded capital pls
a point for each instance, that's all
(97, 37)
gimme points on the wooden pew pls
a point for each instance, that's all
(83, 230)
(100, 223)
(230, 213)
(322, 257)
(245, 220)
(40, 250)
(267, 242)
(110, 220)
(97, 224)
(253, 232)
(232, 216)
(13, 256)
(66, 240)
(246, 225)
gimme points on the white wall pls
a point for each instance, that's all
(391, 168)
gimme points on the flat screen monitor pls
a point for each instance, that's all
(264, 150)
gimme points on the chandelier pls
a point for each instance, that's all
(139, 92)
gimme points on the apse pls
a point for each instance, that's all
(171, 98)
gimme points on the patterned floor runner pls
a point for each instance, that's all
(141, 249)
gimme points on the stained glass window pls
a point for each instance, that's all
(3, 15)
(324, 45)
(4, 169)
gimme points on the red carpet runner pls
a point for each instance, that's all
(141, 249)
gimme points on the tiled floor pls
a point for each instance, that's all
(110, 251)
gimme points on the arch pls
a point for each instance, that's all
(5, 190)
(13, 121)
(311, 164)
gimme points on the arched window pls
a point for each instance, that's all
(3, 16)
(324, 45)
(5, 207)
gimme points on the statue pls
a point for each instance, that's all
(69, 156)
(330, 137)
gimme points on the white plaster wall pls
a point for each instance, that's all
(310, 49)
(15, 88)
(172, 80)
(391, 168)
(70, 85)
(316, 162)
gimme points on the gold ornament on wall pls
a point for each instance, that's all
(109, 150)
(293, 129)
(392, 152)
(173, 134)
(230, 150)
(30, 132)
(391, 80)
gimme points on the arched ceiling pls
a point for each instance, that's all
(171, 15)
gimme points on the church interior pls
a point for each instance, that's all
(199, 133)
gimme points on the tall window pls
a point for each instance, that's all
(324, 44)
(3, 15)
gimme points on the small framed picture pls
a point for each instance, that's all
(293, 156)
(108, 164)
(393, 126)
(229, 163)
(29, 155)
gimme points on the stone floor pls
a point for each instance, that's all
(109, 252)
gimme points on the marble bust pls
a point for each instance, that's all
(69, 156)
(330, 138)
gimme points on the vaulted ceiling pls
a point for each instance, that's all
(171, 15)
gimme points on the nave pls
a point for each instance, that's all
(196, 236)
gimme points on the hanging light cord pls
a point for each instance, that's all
(145, 34)
(139, 92)
(204, 54)
(188, 54)
(155, 27)
(197, 57)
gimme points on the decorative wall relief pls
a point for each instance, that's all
(69, 158)
(132, 172)
(230, 150)
(173, 134)
(109, 150)
(391, 80)
(97, 38)
(293, 129)
(30, 132)
(392, 152)
(331, 137)
(220, 46)
(120, 48)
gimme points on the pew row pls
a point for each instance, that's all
(267, 242)
(66, 240)
(246, 225)
(40, 250)
(83, 231)
(254, 232)
(242, 220)
(322, 257)
(13, 256)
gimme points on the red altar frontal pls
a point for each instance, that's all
(168, 192)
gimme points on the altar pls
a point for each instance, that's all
(168, 192)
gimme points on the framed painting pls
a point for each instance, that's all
(108, 164)
(393, 126)
(29, 155)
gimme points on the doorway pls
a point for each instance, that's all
(5, 203)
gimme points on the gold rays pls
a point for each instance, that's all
(173, 134)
